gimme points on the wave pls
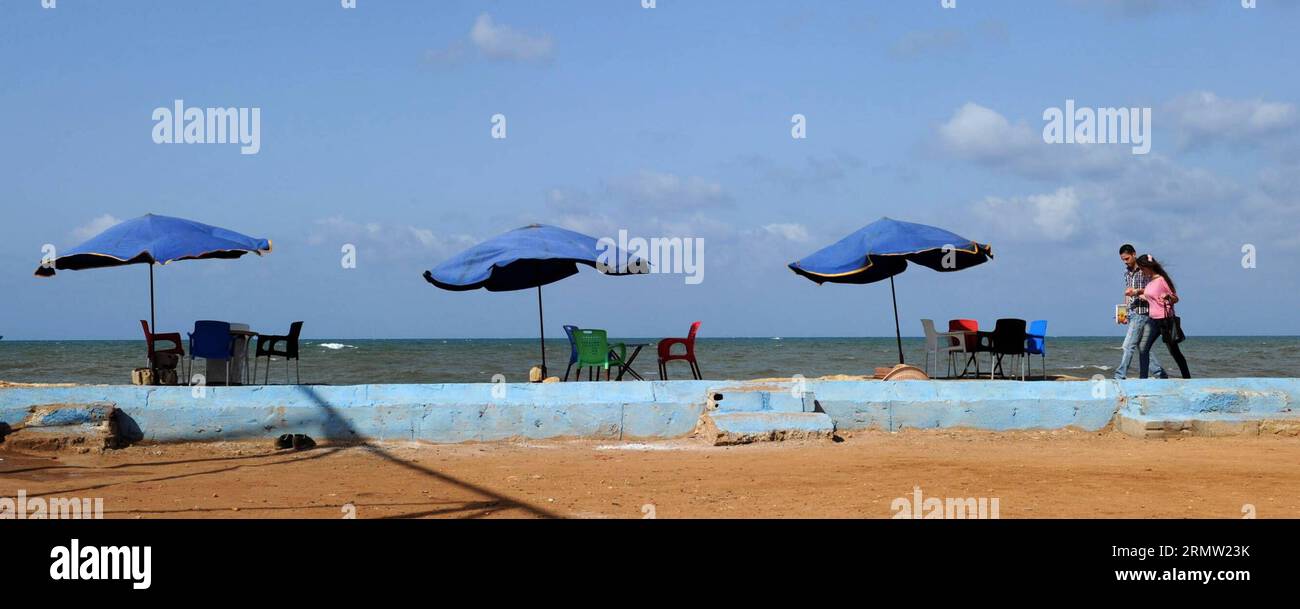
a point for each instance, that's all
(336, 346)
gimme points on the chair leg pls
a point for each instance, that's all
(566, 372)
(663, 371)
(297, 371)
(699, 376)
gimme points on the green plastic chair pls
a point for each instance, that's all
(594, 352)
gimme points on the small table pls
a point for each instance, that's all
(216, 369)
(980, 346)
(243, 340)
(625, 367)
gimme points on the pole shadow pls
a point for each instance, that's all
(336, 420)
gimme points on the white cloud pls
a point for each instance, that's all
(979, 134)
(789, 232)
(495, 42)
(985, 137)
(1203, 116)
(499, 41)
(1046, 217)
(668, 191)
(94, 227)
(386, 241)
(450, 55)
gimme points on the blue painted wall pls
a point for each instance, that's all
(486, 412)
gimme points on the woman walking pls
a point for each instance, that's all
(1161, 296)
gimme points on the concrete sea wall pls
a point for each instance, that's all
(450, 413)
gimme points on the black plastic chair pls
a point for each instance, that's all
(1008, 338)
(270, 345)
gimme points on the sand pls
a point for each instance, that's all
(1032, 474)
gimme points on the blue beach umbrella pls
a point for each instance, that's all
(152, 239)
(882, 249)
(525, 258)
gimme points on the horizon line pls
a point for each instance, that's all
(534, 338)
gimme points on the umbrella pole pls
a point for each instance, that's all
(898, 334)
(541, 327)
(153, 323)
(153, 329)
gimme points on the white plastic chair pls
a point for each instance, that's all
(949, 343)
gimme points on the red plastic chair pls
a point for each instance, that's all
(973, 344)
(666, 353)
(151, 340)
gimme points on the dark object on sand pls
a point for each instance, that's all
(296, 441)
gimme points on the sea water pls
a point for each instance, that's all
(341, 361)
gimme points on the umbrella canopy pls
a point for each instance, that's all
(152, 239)
(525, 258)
(882, 249)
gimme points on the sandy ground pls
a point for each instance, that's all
(1033, 475)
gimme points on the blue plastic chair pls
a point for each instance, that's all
(573, 350)
(211, 340)
(1036, 342)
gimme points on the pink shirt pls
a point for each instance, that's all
(1154, 294)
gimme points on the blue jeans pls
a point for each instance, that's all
(1133, 340)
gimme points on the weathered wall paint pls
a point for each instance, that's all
(660, 409)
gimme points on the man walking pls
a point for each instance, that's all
(1134, 283)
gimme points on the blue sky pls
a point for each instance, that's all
(673, 121)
